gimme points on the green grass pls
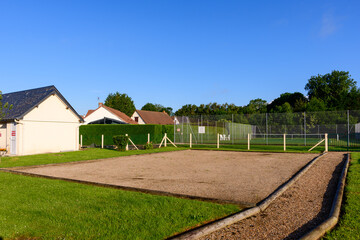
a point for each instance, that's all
(88, 154)
(349, 223)
(37, 208)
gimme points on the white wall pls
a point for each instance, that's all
(135, 114)
(100, 113)
(3, 137)
(50, 127)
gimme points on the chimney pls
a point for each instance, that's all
(100, 104)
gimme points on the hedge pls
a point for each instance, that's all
(138, 133)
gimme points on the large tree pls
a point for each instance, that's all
(334, 89)
(256, 106)
(296, 101)
(157, 108)
(121, 102)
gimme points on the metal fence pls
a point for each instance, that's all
(343, 128)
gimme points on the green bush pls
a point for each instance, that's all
(121, 141)
(148, 146)
(137, 133)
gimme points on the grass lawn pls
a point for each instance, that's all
(349, 223)
(36, 208)
(87, 154)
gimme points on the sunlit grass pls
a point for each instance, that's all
(36, 208)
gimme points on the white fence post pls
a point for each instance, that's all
(127, 144)
(102, 141)
(284, 142)
(326, 143)
(148, 137)
(218, 141)
(165, 143)
(81, 141)
(190, 140)
(248, 141)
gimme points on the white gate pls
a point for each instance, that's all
(13, 139)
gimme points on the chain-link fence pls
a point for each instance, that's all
(301, 128)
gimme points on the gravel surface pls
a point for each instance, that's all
(241, 177)
(298, 210)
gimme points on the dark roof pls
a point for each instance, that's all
(24, 101)
(151, 117)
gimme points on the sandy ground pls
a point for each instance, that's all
(241, 177)
(297, 211)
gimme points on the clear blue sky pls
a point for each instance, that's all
(175, 52)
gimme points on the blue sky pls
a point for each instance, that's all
(175, 52)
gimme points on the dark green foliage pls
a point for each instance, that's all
(335, 89)
(3, 107)
(148, 146)
(137, 133)
(296, 100)
(316, 105)
(208, 109)
(121, 102)
(157, 108)
(121, 141)
(256, 106)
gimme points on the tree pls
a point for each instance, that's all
(149, 107)
(256, 106)
(3, 107)
(186, 110)
(333, 88)
(157, 108)
(296, 101)
(316, 105)
(121, 102)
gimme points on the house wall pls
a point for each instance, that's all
(49, 127)
(135, 114)
(3, 136)
(100, 113)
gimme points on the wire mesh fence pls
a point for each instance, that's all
(301, 129)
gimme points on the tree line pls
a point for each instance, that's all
(329, 92)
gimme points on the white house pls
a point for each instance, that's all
(107, 115)
(151, 117)
(40, 121)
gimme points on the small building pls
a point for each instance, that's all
(107, 115)
(152, 117)
(41, 120)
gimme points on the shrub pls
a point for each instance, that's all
(121, 141)
(138, 132)
(148, 146)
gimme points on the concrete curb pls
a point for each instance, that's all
(328, 224)
(219, 224)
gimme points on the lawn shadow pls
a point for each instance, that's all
(326, 205)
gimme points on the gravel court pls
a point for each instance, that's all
(240, 177)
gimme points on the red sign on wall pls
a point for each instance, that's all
(0, 134)
(13, 133)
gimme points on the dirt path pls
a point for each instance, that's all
(240, 177)
(298, 210)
